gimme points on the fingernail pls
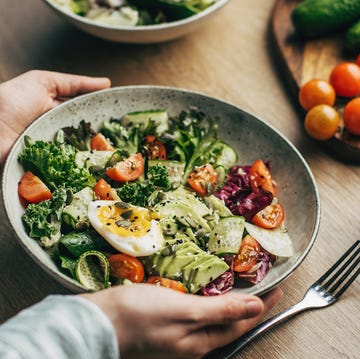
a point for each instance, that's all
(254, 307)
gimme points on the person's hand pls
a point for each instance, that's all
(29, 95)
(157, 322)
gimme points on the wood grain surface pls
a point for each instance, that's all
(303, 60)
(233, 58)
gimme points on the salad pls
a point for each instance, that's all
(134, 12)
(152, 198)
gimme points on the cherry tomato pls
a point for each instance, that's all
(104, 191)
(100, 143)
(322, 122)
(32, 189)
(203, 179)
(155, 148)
(316, 92)
(269, 217)
(124, 266)
(168, 283)
(345, 78)
(128, 170)
(248, 254)
(351, 116)
(260, 176)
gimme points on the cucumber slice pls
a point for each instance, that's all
(142, 118)
(275, 241)
(228, 157)
(227, 235)
(92, 270)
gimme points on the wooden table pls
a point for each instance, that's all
(231, 58)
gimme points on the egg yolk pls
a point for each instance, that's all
(125, 222)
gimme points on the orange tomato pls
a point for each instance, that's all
(128, 170)
(123, 266)
(168, 283)
(248, 254)
(100, 143)
(316, 92)
(260, 176)
(322, 122)
(345, 78)
(203, 179)
(32, 189)
(269, 217)
(351, 116)
(104, 191)
(155, 148)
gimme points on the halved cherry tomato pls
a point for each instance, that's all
(248, 254)
(351, 116)
(269, 217)
(316, 92)
(128, 170)
(203, 179)
(104, 191)
(124, 266)
(32, 189)
(168, 283)
(260, 176)
(155, 148)
(345, 78)
(100, 143)
(322, 122)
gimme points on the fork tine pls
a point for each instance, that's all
(333, 287)
(331, 271)
(347, 284)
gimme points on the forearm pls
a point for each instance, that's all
(59, 327)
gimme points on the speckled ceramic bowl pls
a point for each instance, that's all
(140, 34)
(250, 136)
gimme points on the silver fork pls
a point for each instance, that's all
(325, 291)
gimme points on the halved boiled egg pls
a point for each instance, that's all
(130, 229)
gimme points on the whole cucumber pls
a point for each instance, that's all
(313, 18)
(352, 38)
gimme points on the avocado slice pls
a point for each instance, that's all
(207, 272)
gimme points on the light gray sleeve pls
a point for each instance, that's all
(60, 327)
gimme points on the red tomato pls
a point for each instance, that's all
(128, 170)
(103, 190)
(345, 78)
(100, 143)
(248, 254)
(32, 189)
(168, 283)
(322, 122)
(358, 60)
(155, 148)
(203, 179)
(351, 116)
(260, 176)
(124, 266)
(269, 217)
(316, 92)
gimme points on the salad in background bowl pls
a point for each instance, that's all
(164, 186)
(137, 21)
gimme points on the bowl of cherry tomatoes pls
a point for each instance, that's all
(332, 109)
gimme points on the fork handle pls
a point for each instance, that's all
(228, 350)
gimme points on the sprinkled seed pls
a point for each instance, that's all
(127, 214)
(123, 223)
(122, 205)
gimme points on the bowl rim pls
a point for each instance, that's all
(140, 28)
(71, 283)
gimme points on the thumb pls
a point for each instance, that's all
(227, 308)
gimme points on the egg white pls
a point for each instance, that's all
(135, 244)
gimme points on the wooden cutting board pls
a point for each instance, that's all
(303, 60)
